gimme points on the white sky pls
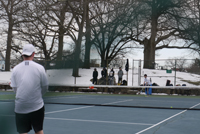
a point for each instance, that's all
(165, 54)
(160, 54)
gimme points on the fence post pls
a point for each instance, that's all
(175, 74)
(107, 83)
(132, 72)
(75, 80)
(139, 73)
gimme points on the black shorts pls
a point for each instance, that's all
(25, 122)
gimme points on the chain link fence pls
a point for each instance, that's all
(179, 72)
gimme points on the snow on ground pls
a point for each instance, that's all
(64, 77)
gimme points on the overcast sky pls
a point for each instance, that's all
(167, 53)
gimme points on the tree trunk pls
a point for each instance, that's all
(150, 44)
(78, 50)
(61, 36)
(47, 58)
(87, 55)
(103, 62)
(60, 49)
(149, 56)
(76, 59)
(146, 54)
(78, 43)
(8, 50)
(88, 41)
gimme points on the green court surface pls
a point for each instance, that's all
(111, 114)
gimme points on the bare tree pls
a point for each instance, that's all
(11, 10)
(111, 29)
(60, 17)
(159, 27)
(190, 25)
(36, 31)
(49, 23)
(78, 10)
(194, 67)
(88, 43)
(179, 63)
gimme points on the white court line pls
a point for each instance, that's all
(67, 110)
(111, 122)
(166, 119)
(82, 107)
(194, 106)
(50, 98)
(117, 102)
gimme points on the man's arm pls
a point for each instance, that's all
(44, 89)
(13, 83)
(144, 82)
(44, 82)
(14, 89)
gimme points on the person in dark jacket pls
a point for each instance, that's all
(168, 83)
(95, 75)
(104, 73)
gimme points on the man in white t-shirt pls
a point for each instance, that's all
(147, 82)
(30, 83)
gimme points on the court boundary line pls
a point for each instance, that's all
(67, 110)
(165, 120)
(118, 102)
(85, 107)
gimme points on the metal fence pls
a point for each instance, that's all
(180, 72)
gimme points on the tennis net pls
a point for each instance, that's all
(156, 100)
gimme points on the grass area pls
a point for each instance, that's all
(4, 95)
(7, 96)
(51, 94)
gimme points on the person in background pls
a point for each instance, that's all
(95, 75)
(168, 83)
(147, 82)
(29, 81)
(111, 77)
(104, 73)
(120, 75)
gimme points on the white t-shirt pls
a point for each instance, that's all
(147, 81)
(30, 80)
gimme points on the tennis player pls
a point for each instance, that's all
(30, 83)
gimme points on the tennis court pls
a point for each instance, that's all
(113, 114)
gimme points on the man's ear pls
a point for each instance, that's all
(33, 54)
